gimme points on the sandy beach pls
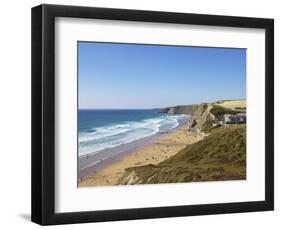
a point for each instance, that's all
(161, 148)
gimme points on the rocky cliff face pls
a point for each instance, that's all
(181, 109)
(199, 114)
(200, 117)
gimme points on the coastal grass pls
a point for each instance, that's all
(219, 111)
(220, 156)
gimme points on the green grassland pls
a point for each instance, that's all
(219, 156)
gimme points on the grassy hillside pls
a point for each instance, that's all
(220, 156)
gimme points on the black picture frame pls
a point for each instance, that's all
(43, 114)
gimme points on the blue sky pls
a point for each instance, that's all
(112, 75)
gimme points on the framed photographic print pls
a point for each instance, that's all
(142, 114)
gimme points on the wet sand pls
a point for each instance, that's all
(152, 150)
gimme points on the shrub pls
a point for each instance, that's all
(219, 111)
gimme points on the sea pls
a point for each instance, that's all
(109, 128)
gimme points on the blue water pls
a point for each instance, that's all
(102, 129)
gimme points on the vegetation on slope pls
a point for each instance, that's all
(218, 111)
(220, 156)
(208, 125)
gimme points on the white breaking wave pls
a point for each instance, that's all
(115, 135)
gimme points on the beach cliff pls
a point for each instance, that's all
(207, 116)
(199, 114)
(180, 109)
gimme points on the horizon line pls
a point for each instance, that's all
(241, 99)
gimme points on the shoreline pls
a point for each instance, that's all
(92, 163)
(149, 150)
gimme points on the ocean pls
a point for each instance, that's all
(105, 129)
